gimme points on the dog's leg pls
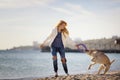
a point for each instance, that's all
(101, 67)
(91, 65)
(107, 67)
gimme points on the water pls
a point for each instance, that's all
(36, 64)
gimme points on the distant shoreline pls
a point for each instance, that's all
(107, 45)
(77, 51)
(67, 50)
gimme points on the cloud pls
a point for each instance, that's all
(22, 3)
(108, 3)
(62, 10)
(73, 10)
(78, 9)
(111, 16)
(115, 1)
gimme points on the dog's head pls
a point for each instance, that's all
(90, 52)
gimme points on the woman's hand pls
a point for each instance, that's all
(42, 45)
(77, 46)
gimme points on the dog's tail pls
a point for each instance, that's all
(112, 61)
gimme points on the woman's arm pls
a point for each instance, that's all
(46, 41)
(71, 44)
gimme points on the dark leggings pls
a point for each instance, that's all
(63, 59)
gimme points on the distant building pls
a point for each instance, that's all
(35, 44)
(115, 37)
(103, 44)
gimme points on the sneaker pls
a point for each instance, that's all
(67, 74)
(56, 75)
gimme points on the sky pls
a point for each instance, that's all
(25, 21)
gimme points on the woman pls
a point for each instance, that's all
(58, 40)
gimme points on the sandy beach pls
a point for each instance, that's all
(108, 76)
(114, 75)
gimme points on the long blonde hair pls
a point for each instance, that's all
(64, 31)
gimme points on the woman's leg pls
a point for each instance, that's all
(64, 65)
(55, 64)
(63, 59)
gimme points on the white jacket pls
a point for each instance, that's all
(67, 41)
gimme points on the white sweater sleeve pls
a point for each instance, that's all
(47, 40)
(70, 43)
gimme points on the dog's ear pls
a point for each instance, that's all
(92, 51)
(89, 52)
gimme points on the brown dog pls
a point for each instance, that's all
(100, 58)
